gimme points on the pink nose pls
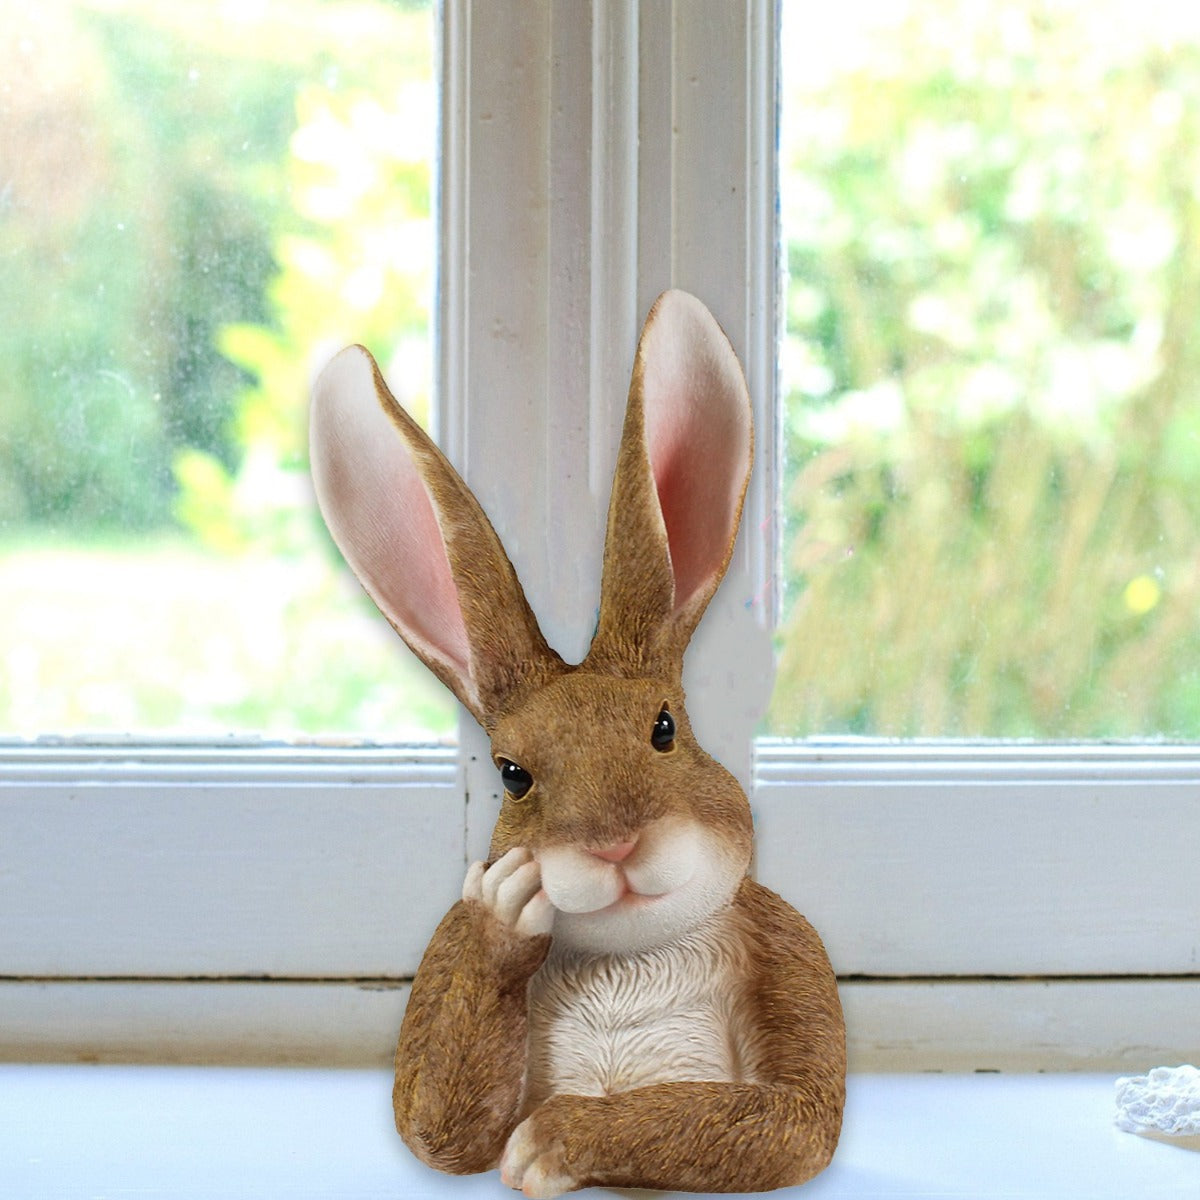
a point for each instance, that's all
(616, 853)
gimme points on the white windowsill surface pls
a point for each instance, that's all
(105, 1133)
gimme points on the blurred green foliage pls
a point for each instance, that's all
(356, 266)
(993, 315)
(146, 193)
(123, 251)
(196, 199)
(993, 439)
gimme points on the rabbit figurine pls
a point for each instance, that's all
(613, 1001)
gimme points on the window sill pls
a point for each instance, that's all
(68, 1131)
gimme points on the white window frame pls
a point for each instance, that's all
(986, 905)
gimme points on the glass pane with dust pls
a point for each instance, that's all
(198, 201)
(991, 221)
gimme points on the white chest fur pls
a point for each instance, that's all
(604, 1024)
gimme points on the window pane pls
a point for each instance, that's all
(197, 201)
(992, 504)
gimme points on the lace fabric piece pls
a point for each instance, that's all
(1164, 1101)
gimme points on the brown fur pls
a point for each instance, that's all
(583, 734)
(730, 1137)
(509, 651)
(460, 1064)
(584, 739)
(460, 1070)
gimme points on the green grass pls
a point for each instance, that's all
(160, 638)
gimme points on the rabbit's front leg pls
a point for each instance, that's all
(537, 1161)
(693, 1137)
(460, 1062)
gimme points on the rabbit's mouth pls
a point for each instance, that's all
(630, 898)
(678, 875)
(664, 857)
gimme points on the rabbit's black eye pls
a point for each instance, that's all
(662, 736)
(517, 781)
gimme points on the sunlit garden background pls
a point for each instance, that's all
(197, 201)
(991, 228)
(992, 222)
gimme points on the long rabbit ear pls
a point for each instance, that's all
(681, 477)
(418, 541)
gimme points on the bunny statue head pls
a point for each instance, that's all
(621, 846)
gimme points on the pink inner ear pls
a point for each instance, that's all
(411, 571)
(380, 513)
(698, 440)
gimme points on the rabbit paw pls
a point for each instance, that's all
(511, 890)
(535, 1160)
